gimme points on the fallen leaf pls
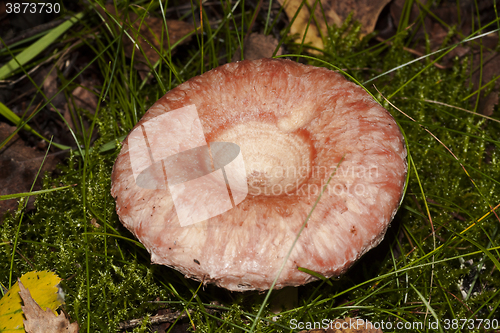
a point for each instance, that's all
(299, 26)
(18, 167)
(364, 11)
(349, 325)
(257, 46)
(39, 321)
(51, 88)
(50, 83)
(147, 31)
(489, 63)
(335, 12)
(45, 292)
(435, 28)
(488, 103)
(82, 98)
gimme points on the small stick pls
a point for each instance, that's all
(158, 319)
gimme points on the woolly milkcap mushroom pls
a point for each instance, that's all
(290, 126)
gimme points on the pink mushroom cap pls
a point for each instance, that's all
(295, 126)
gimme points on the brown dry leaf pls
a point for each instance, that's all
(18, 167)
(490, 71)
(335, 11)
(39, 321)
(50, 83)
(436, 29)
(83, 99)
(349, 325)
(448, 13)
(488, 103)
(257, 46)
(146, 32)
(51, 88)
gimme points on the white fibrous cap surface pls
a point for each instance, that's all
(294, 125)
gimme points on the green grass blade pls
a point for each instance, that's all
(28, 194)
(315, 274)
(14, 118)
(428, 306)
(32, 51)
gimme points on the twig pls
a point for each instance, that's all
(158, 319)
(22, 256)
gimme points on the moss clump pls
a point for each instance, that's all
(456, 200)
(98, 268)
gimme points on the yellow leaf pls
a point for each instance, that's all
(39, 321)
(43, 288)
(328, 13)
